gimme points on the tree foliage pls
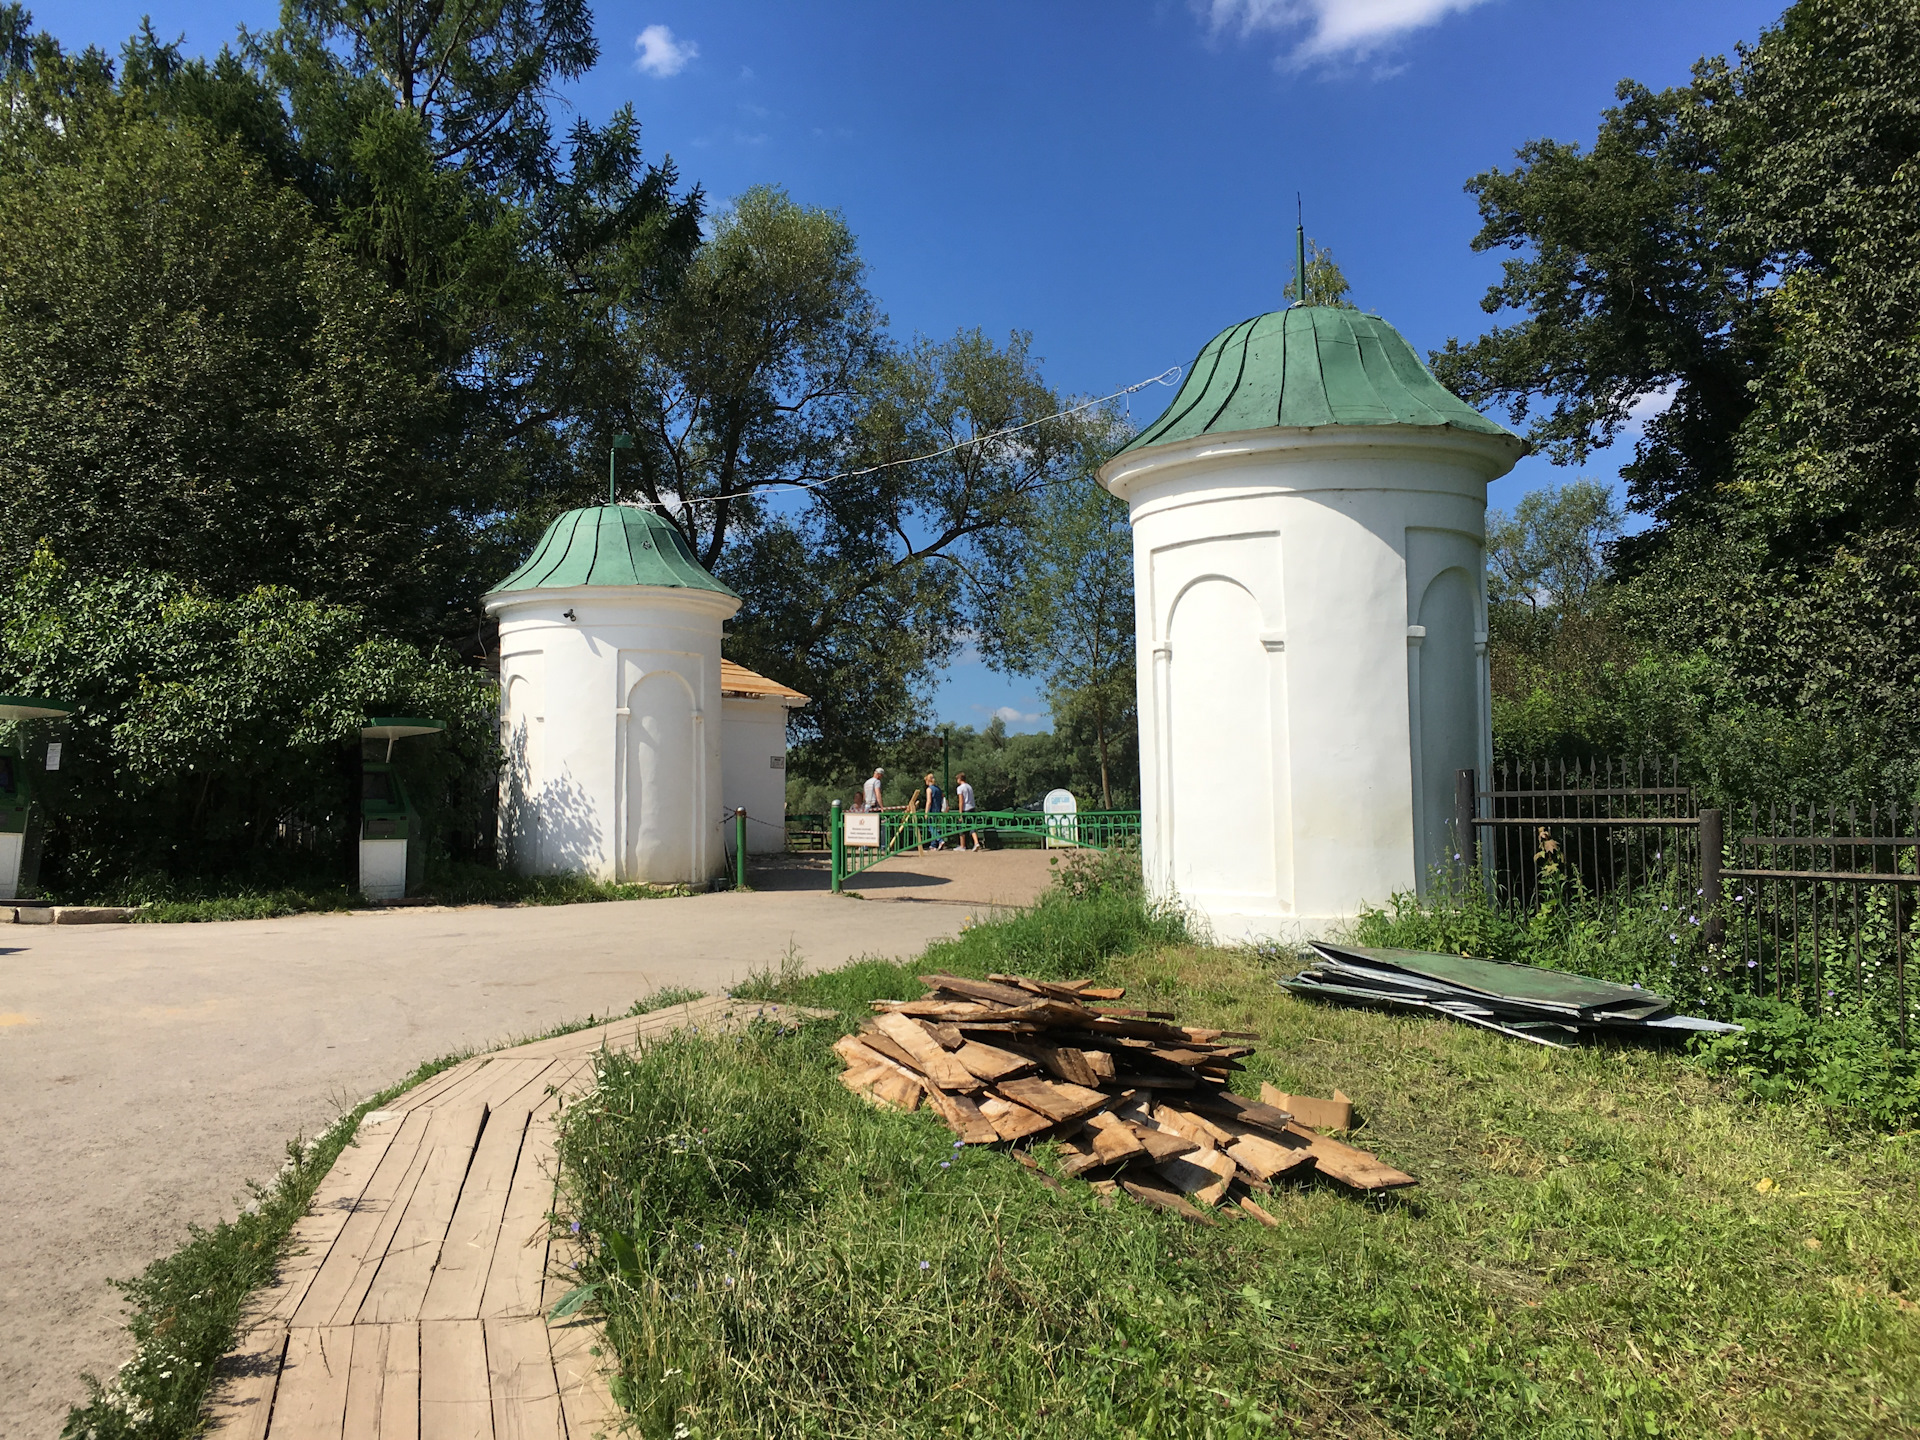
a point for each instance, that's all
(215, 735)
(1061, 606)
(1747, 245)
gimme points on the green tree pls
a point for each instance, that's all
(861, 586)
(1061, 606)
(1326, 285)
(195, 378)
(1552, 549)
(1749, 244)
(213, 735)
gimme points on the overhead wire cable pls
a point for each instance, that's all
(1168, 376)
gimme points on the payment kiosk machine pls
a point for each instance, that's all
(393, 854)
(24, 762)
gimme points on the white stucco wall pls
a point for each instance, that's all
(1311, 613)
(753, 733)
(611, 722)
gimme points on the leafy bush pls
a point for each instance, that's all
(214, 738)
(1840, 1062)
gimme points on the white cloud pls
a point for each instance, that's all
(1654, 402)
(1014, 717)
(658, 53)
(1330, 29)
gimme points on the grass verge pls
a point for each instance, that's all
(1606, 1242)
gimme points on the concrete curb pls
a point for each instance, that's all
(66, 914)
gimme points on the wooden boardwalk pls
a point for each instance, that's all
(412, 1304)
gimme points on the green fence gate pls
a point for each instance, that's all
(882, 835)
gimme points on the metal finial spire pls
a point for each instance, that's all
(620, 442)
(1299, 252)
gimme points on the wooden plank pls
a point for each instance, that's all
(1246, 1204)
(928, 1055)
(895, 1089)
(963, 1117)
(367, 1380)
(1358, 1168)
(1203, 1174)
(1239, 1108)
(399, 1285)
(400, 1391)
(1064, 1062)
(879, 1043)
(1052, 1098)
(985, 990)
(456, 1402)
(1161, 1198)
(1334, 1114)
(1076, 1159)
(1266, 1159)
(1113, 1139)
(990, 1062)
(586, 1401)
(526, 1397)
(1101, 1063)
(1195, 1127)
(473, 1234)
(433, 1085)
(517, 1276)
(241, 1401)
(341, 1282)
(1011, 1121)
(949, 1036)
(311, 1403)
(1163, 1145)
(856, 1052)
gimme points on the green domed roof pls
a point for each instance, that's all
(1310, 365)
(612, 545)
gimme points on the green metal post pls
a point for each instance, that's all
(740, 849)
(837, 845)
(946, 762)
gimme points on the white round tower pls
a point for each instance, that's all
(610, 702)
(1309, 522)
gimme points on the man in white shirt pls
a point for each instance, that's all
(870, 795)
(963, 792)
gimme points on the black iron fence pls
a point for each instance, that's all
(1819, 905)
(1605, 827)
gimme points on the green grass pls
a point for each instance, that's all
(456, 884)
(1606, 1241)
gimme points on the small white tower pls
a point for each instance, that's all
(610, 702)
(1309, 522)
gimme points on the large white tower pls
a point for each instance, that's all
(610, 702)
(1309, 521)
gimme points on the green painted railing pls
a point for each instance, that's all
(899, 833)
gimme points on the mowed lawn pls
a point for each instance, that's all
(1605, 1241)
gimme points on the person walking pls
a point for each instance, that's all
(936, 805)
(910, 824)
(870, 793)
(963, 792)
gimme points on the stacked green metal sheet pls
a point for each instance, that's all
(1548, 1007)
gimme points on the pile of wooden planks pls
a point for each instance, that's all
(1138, 1103)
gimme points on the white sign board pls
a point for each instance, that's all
(862, 829)
(1060, 807)
(53, 755)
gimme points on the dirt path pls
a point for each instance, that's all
(146, 1072)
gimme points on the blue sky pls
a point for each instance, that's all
(1117, 178)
